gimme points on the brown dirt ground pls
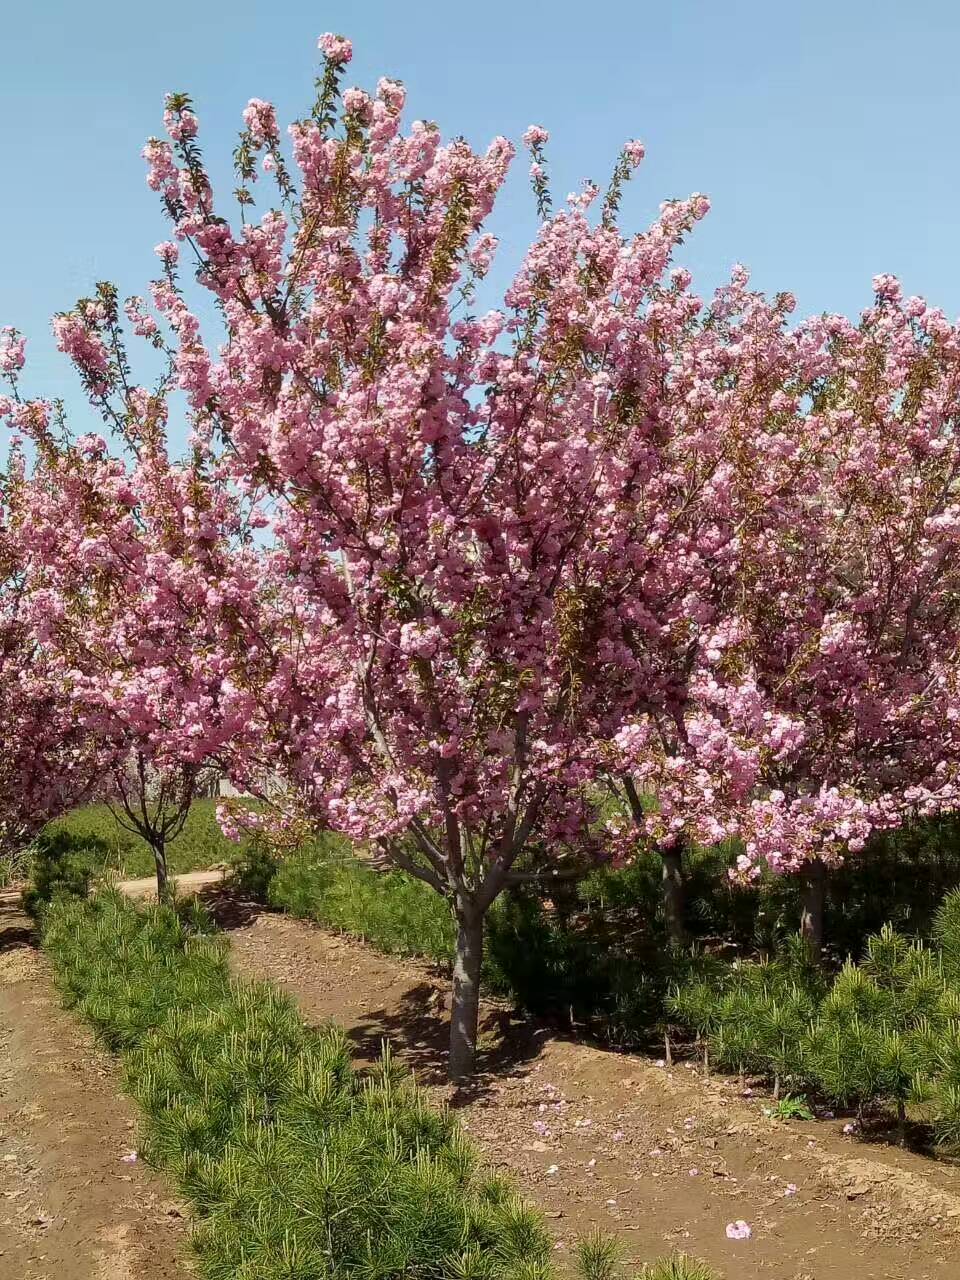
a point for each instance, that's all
(663, 1157)
(187, 883)
(70, 1208)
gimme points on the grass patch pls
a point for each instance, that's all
(199, 846)
(394, 912)
(297, 1166)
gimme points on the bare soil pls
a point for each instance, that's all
(664, 1157)
(71, 1208)
(187, 883)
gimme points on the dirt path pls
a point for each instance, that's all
(188, 882)
(70, 1207)
(661, 1156)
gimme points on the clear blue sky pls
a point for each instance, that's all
(825, 132)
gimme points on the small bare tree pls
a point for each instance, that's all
(155, 804)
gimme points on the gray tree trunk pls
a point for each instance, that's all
(813, 906)
(674, 895)
(163, 878)
(465, 1010)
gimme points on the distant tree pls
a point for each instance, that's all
(140, 587)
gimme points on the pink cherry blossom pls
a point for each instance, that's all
(634, 151)
(338, 49)
(12, 350)
(535, 136)
(261, 120)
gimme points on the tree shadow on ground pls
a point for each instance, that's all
(418, 1030)
(881, 1130)
(16, 928)
(229, 910)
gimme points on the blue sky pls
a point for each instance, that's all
(824, 133)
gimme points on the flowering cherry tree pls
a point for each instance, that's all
(140, 584)
(475, 515)
(847, 636)
(48, 762)
(816, 699)
(686, 758)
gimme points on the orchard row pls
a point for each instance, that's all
(494, 594)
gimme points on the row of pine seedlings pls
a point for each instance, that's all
(881, 1038)
(296, 1165)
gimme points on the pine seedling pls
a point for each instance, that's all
(855, 996)
(530, 1269)
(946, 933)
(521, 1234)
(473, 1263)
(946, 1122)
(836, 1057)
(945, 1092)
(696, 1006)
(677, 1267)
(890, 959)
(598, 1256)
(895, 1073)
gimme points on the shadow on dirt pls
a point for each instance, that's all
(227, 909)
(418, 1028)
(16, 928)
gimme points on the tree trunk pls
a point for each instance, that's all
(465, 1010)
(813, 904)
(673, 895)
(163, 879)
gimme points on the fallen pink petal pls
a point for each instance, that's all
(739, 1230)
